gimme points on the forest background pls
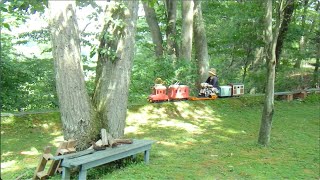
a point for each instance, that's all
(173, 40)
(234, 34)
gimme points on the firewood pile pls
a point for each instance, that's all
(108, 141)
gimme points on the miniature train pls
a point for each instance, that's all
(181, 92)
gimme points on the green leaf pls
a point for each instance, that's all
(6, 25)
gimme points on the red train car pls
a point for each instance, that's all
(178, 92)
(159, 93)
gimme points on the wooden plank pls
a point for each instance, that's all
(55, 163)
(74, 155)
(107, 159)
(42, 175)
(42, 162)
(283, 93)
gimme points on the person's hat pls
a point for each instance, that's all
(212, 71)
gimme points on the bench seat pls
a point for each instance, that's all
(96, 158)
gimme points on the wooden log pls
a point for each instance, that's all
(104, 137)
(111, 140)
(124, 141)
(98, 143)
(71, 146)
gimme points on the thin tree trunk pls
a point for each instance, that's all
(268, 110)
(172, 45)
(200, 41)
(287, 14)
(154, 29)
(115, 59)
(186, 34)
(302, 38)
(316, 81)
(77, 114)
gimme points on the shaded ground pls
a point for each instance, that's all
(195, 140)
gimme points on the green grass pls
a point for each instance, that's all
(194, 140)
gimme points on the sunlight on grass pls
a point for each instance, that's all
(167, 143)
(181, 125)
(7, 154)
(7, 165)
(7, 120)
(45, 126)
(194, 140)
(56, 141)
(32, 152)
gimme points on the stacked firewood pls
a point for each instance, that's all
(108, 141)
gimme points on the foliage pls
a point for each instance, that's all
(233, 30)
(217, 137)
(147, 68)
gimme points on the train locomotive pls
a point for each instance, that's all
(175, 92)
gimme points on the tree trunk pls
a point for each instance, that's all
(201, 46)
(154, 29)
(302, 41)
(77, 114)
(115, 59)
(287, 14)
(316, 81)
(172, 45)
(186, 34)
(268, 110)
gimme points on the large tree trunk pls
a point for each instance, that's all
(186, 34)
(115, 59)
(268, 110)
(77, 114)
(200, 41)
(287, 14)
(172, 45)
(154, 29)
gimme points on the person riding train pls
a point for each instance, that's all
(211, 86)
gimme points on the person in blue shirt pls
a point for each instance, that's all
(211, 86)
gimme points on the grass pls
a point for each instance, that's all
(195, 140)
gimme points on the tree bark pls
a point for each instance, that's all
(287, 14)
(268, 110)
(154, 29)
(172, 45)
(115, 59)
(77, 114)
(316, 81)
(302, 41)
(200, 41)
(186, 34)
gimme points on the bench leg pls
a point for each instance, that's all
(82, 174)
(146, 156)
(65, 173)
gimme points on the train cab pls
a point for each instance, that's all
(159, 93)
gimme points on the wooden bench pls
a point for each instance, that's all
(288, 96)
(90, 158)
